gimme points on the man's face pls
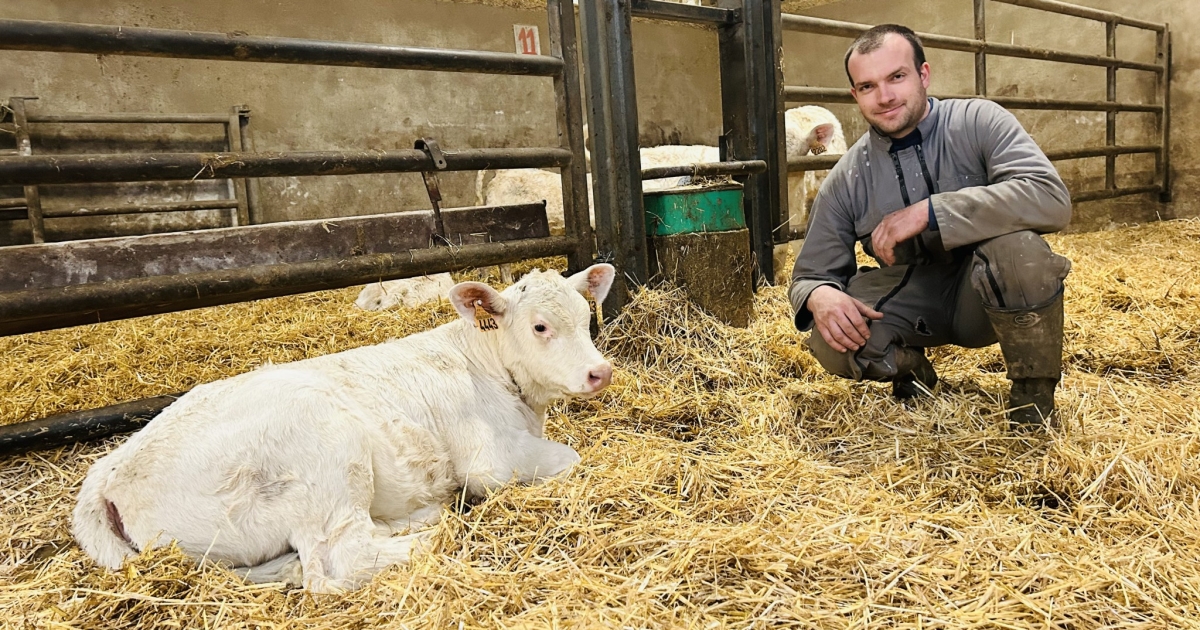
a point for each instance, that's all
(890, 91)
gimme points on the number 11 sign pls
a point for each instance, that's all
(528, 42)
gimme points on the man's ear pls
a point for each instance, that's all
(595, 281)
(465, 296)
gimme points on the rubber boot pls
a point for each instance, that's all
(913, 368)
(1031, 341)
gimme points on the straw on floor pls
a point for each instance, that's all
(726, 480)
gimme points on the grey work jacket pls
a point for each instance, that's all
(983, 174)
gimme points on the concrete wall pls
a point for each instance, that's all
(298, 108)
(817, 61)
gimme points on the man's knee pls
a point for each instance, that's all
(1017, 270)
(875, 361)
(836, 363)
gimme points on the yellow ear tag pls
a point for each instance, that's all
(819, 149)
(484, 319)
(599, 312)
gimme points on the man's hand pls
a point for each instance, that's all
(840, 318)
(898, 227)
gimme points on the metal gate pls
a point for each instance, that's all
(343, 252)
(271, 259)
(983, 48)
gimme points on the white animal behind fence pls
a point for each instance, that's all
(811, 130)
(407, 292)
(302, 472)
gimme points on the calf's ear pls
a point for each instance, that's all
(466, 296)
(595, 281)
(821, 134)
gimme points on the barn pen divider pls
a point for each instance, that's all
(751, 150)
(983, 48)
(339, 251)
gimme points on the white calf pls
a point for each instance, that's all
(675, 155)
(405, 292)
(303, 471)
(811, 130)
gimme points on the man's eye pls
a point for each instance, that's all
(540, 328)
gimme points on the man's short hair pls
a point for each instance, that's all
(871, 40)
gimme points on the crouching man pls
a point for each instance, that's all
(950, 197)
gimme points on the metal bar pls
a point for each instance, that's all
(674, 11)
(46, 309)
(11, 214)
(576, 215)
(237, 185)
(115, 117)
(12, 202)
(183, 206)
(752, 112)
(823, 162)
(80, 426)
(253, 209)
(980, 8)
(1105, 151)
(33, 197)
(1094, 195)
(616, 163)
(842, 95)
(154, 42)
(1164, 50)
(812, 163)
(69, 169)
(1110, 117)
(1085, 12)
(707, 169)
(822, 26)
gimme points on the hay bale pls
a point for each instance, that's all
(725, 480)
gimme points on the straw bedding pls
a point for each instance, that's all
(725, 482)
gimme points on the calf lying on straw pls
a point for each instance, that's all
(303, 472)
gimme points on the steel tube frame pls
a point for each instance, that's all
(676, 12)
(840, 95)
(153, 42)
(823, 162)
(752, 112)
(805, 24)
(181, 206)
(79, 426)
(616, 163)
(152, 295)
(1111, 193)
(1052, 6)
(66, 169)
(707, 169)
(561, 15)
(129, 117)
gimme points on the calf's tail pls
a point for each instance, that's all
(96, 523)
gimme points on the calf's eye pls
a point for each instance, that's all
(540, 328)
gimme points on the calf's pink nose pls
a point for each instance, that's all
(599, 377)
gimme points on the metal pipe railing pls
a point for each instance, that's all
(153, 42)
(66, 169)
(33, 310)
(128, 117)
(1053, 6)
(180, 206)
(1112, 193)
(707, 169)
(842, 95)
(805, 24)
(674, 11)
